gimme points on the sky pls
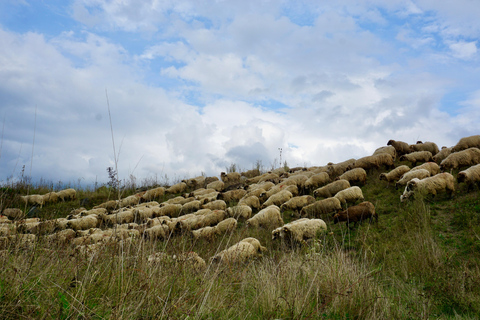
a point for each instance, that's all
(165, 90)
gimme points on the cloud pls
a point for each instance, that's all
(464, 50)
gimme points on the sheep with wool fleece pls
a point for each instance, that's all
(109, 205)
(349, 195)
(7, 229)
(417, 156)
(51, 197)
(177, 200)
(240, 252)
(317, 180)
(432, 167)
(152, 194)
(28, 227)
(199, 192)
(355, 214)
(5, 220)
(301, 231)
(156, 221)
(129, 201)
(209, 233)
(442, 154)
(465, 158)
(149, 204)
(466, 143)
(251, 173)
(240, 212)
(96, 211)
(279, 187)
(232, 195)
(251, 201)
(217, 185)
(400, 147)
(354, 175)
(375, 161)
(470, 176)
(200, 221)
(34, 199)
(266, 185)
(171, 210)
(61, 237)
(296, 180)
(278, 198)
(196, 183)
(230, 178)
(334, 170)
(190, 207)
(143, 213)
(84, 223)
(67, 194)
(278, 232)
(442, 182)
(425, 146)
(215, 205)
(256, 193)
(269, 176)
(160, 231)
(207, 198)
(14, 213)
(394, 174)
(331, 189)
(407, 176)
(267, 218)
(386, 149)
(297, 203)
(177, 188)
(119, 217)
(321, 207)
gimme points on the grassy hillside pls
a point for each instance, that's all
(420, 261)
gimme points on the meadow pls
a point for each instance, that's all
(421, 260)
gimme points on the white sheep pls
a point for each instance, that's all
(334, 170)
(251, 173)
(300, 230)
(215, 205)
(321, 207)
(209, 233)
(467, 142)
(278, 198)
(417, 156)
(464, 158)
(67, 194)
(34, 199)
(84, 223)
(317, 180)
(431, 185)
(251, 201)
(195, 183)
(152, 194)
(190, 207)
(177, 188)
(331, 189)
(170, 210)
(407, 176)
(374, 161)
(230, 178)
(217, 185)
(442, 154)
(395, 174)
(425, 146)
(432, 167)
(470, 176)
(232, 195)
(240, 212)
(297, 203)
(109, 205)
(177, 200)
(14, 213)
(386, 149)
(349, 195)
(159, 231)
(240, 252)
(356, 175)
(400, 146)
(130, 201)
(268, 218)
(200, 221)
(51, 197)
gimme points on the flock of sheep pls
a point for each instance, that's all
(208, 207)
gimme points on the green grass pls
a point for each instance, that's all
(420, 261)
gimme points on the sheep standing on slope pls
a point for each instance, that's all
(334, 170)
(432, 167)
(67, 194)
(278, 198)
(375, 161)
(331, 189)
(355, 214)
(153, 194)
(34, 199)
(239, 212)
(388, 150)
(417, 156)
(177, 188)
(357, 175)
(400, 146)
(349, 195)
(432, 185)
(442, 154)
(464, 158)
(321, 207)
(467, 142)
(232, 195)
(316, 181)
(227, 225)
(395, 174)
(297, 203)
(240, 252)
(470, 176)
(230, 178)
(301, 230)
(268, 218)
(419, 174)
(425, 146)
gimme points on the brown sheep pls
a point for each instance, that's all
(464, 158)
(355, 214)
(467, 142)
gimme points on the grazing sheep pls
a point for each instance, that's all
(34, 199)
(357, 175)
(190, 260)
(431, 185)
(7, 229)
(395, 174)
(464, 158)
(200, 221)
(170, 210)
(129, 201)
(67, 194)
(119, 217)
(349, 195)
(61, 237)
(296, 180)
(230, 178)
(159, 231)
(278, 232)
(190, 207)
(317, 180)
(269, 176)
(215, 205)
(177, 188)
(84, 223)
(14, 213)
(210, 233)
(268, 218)
(400, 146)
(388, 150)
(331, 189)
(251, 201)
(217, 185)
(467, 142)
(432, 167)
(278, 198)
(200, 192)
(177, 200)
(470, 176)
(334, 170)
(375, 161)
(442, 154)
(51, 197)
(355, 214)
(195, 183)
(407, 176)
(297, 203)
(301, 230)
(251, 173)
(425, 146)
(321, 207)
(232, 195)
(109, 205)
(417, 156)
(265, 185)
(240, 212)
(153, 194)
(240, 252)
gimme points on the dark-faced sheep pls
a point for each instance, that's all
(470, 176)
(400, 146)
(425, 146)
(442, 182)
(407, 176)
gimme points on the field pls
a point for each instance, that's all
(421, 260)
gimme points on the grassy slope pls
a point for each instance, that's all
(420, 261)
